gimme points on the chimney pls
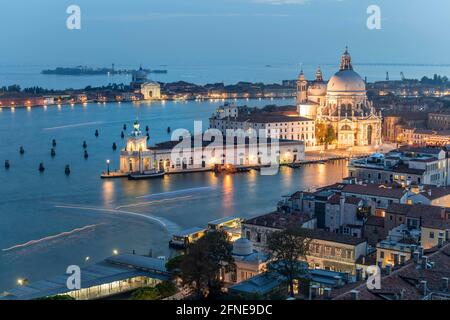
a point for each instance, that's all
(354, 294)
(359, 274)
(445, 284)
(423, 287)
(388, 269)
(401, 296)
(314, 291)
(420, 249)
(416, 256)
(327, 293)
(395, 260)
(424, 262)
(338, 280)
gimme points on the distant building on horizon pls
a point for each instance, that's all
(150, 90)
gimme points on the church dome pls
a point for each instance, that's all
(242, 247)
(346, 80)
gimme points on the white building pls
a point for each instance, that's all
(201, 155)
(405, 166)
(150, 90)
(273, 125)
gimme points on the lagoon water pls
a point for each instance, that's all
(29, 76)
(49, 220)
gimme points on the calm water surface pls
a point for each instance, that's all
(49, 220)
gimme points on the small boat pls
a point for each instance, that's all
(183, 239)
(96, 133)
(7, 165)
(21, 150)
(84, 145)
(67, 169)
(146, 175)
(41, 167)
(114, 146)
(54, 143)
(52, 152)
(86, 155)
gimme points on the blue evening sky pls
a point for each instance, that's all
(195, 32)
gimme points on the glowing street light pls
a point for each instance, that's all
(115, 252)
(107, 164)
(22, 281)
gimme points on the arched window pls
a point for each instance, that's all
(346, 127)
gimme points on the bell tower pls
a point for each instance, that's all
(346, 61)
(302, 89)
(136, 142)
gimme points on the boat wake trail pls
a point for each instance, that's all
(168, 225)
(74, 125)
(177, 192)
(59, 235)
(152, 202)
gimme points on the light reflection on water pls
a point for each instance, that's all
(32, 204)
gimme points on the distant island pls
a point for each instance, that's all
(88, 71)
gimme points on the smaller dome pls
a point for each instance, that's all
(242, 247)
(140, 74)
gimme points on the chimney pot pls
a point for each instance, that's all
(416, 256)
(420, 249)
(423, 287)
(354, 294)
(388, 269)
(445, 284)
(359, 274)
(327, 293)
(424, 262)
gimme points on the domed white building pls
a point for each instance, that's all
(150, 90)
(341, 103)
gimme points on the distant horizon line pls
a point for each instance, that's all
(233, 64)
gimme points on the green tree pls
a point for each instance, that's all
(201, 267)
(286, 249)
(174, 264)
(160, 291)
(330, 135)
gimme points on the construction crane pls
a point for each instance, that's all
(402, 75)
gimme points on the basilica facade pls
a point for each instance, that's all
(342, 104)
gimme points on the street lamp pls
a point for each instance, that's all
(115, 252)
(107, 164)
(22, 281)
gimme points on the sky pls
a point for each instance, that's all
(222, 32)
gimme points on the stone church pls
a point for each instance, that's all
(342, 103)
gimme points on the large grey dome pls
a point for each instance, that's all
(242, 247)
(346, 81)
